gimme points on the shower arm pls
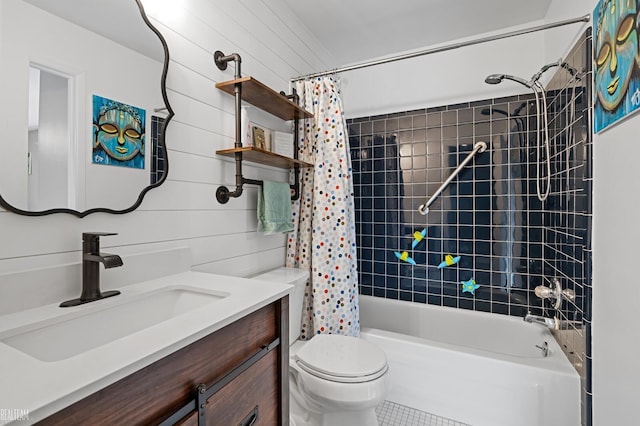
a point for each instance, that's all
(479, 146)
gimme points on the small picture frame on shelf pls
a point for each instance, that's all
(259, 140)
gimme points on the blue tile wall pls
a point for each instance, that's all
(157, 152)
(568, 211)
(483, 216)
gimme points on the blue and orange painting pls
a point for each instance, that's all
(118, 133)
(616, 61)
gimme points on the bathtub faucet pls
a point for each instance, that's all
(547, 322)
(555, 293)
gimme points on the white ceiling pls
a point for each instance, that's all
(358, 30)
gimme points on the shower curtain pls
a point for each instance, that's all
(323, 240)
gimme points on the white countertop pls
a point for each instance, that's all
(43, 388)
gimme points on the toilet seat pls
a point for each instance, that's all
(342, 359)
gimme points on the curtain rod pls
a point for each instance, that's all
(585, 18)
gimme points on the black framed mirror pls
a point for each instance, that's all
(85, 109)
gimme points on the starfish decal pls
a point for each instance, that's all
(469, 286)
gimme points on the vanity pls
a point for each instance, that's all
(153, 354)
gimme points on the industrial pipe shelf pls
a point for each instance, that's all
(256, 155)
(265, 98)
(280, 105)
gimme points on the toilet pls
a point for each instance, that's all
(333, 380)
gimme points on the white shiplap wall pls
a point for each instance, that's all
(184, 212)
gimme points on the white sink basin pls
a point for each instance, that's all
(98, 323)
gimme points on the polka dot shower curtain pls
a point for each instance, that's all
(324, 241)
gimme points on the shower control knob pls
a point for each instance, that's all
(568, 294)
(556, 293)
(544, 292)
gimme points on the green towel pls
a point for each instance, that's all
(274, 208)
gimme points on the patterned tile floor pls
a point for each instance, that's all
(392, 414)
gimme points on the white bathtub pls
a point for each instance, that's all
(473, 367)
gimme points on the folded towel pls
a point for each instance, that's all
(274, 208)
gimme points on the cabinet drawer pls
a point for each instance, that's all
(256, 387)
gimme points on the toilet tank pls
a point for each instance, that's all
(298, 279)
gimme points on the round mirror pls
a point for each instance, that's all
(84, 108)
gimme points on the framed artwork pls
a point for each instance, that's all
(118, 133)
(616, 61)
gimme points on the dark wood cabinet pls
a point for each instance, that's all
(250, 394)
(156, 392)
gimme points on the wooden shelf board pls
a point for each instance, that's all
(255, 155)
(265, 98)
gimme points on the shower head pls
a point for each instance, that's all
(520, 108)
(497, 78)
(489, 111)
(494, 79)
(514, 115)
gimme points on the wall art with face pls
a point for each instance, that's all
(616, 61)
(118, 133)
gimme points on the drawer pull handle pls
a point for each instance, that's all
(251, 418)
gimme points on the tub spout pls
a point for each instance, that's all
(552, 323)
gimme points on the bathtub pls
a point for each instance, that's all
(474, 367)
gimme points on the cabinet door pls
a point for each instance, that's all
(252, 398)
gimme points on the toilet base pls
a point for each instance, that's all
(303, 417)
(351, 418)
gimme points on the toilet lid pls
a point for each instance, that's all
(342, 358)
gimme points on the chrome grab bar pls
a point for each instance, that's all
(479, 146)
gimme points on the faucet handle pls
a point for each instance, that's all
(555, 293)
(568, 294)
(96, 235)
(91, 241)
(544, 292)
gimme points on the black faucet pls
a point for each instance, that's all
(91, 259)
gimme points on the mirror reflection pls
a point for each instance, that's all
(83, 105)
